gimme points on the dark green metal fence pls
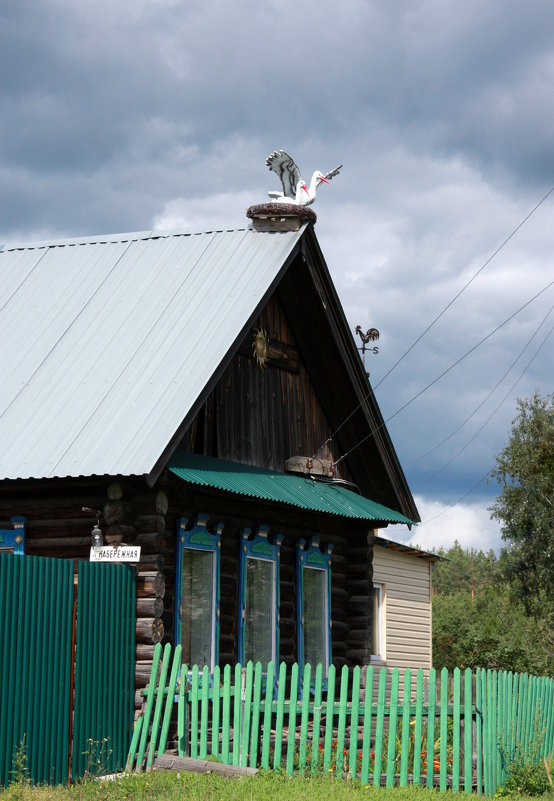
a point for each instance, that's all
(37, 663)
(36, 601)
(104, 667)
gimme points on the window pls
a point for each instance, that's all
(378, 645)
(12, 540)
(197, 599)
(313, 568)
(259, 597)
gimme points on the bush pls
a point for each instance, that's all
(523, 777)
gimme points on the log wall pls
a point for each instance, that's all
(134, 514)
(351, 571)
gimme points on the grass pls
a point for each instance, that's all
(169, 786)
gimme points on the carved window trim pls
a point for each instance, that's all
(309, 556)
(259, 547)
(12, 540)
(198, 538)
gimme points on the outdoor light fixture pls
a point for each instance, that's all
(97, 540)
(96, 533)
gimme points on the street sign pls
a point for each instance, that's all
(108, 553)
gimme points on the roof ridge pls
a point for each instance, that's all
(105, 239)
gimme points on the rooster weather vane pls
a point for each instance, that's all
(371, 335)
(295, 189)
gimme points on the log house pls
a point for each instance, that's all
(201, 391)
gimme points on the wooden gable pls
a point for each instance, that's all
(263, 415)
(312, 398)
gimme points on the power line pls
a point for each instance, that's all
(463, 289)
(448, 508)
(437, 318)
(474, 487)
(489, 418)
(500, 380)
(444, 372)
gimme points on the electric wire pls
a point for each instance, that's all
(488, 395)
(460, 499)
(437, 318)
(463, 289)
(495, 410)
(474, 487)
(444, 372)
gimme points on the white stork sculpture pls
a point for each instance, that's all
(295, 190)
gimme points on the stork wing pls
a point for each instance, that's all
(282, 164)
(330, 175)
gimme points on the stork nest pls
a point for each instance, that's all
(281, 210)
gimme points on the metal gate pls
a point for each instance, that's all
(66, 666)
(104, 667)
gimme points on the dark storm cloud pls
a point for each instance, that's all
(119, 115)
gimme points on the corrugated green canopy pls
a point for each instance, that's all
(302, 492)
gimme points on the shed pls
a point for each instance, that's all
(402, 608)
(204, 393)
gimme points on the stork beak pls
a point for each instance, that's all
(305, 188)
(323, 178)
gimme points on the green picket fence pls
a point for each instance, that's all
(450, 730)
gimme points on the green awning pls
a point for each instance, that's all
(299, 491)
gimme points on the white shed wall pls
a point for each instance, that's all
(406, 617)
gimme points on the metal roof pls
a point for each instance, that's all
(410, 550)
(299, 491)
(108, 341)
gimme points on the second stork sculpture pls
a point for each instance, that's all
(295, 190)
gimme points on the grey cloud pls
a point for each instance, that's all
(116, 114)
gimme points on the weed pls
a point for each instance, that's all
(19, 772)
(97, 753)
(526, 770)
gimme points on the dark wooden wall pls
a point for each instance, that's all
(263, 416)
(57, 527)
(351, 569)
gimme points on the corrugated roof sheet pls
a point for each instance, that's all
(299, 491)
(411, 550)
(108, 341)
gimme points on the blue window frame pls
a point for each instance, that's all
(197, 592)
(313, 603)
(259, 597)
(12, 540)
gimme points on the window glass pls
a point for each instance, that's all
(259, 624)
(316, 621)
(377, 645)
(313, 578)
(258, 639)
(198, 607)
(197, 592)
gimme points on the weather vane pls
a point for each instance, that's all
(371, 335)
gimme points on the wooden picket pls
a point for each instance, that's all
(448, 730)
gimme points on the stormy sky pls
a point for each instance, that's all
(121, 116)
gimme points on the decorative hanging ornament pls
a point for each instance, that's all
(260, 347)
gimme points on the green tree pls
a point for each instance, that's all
(525, 507)
(465, 571)
(490, 630)
(479, 621)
